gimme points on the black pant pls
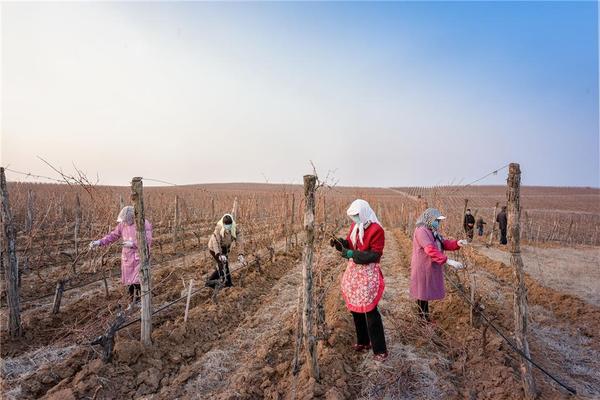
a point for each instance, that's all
(423, 308)
(469, 232)
(480, 230)
(369, 329)
(134, 292)
(222, 271)
(503, 236)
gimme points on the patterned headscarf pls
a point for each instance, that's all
(366, 214)
(126, 215)
(221, 226)
(426, 219)
(428, 216)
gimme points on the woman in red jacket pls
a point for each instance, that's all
(362, 283)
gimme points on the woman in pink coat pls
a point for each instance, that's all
(428, 260)
(130, 258)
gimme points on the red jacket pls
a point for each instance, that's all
(373, 240)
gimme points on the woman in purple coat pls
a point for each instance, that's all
(428, 260)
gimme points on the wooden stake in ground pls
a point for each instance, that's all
(521, 313)
(187, 303)
(493, 224)
(176, 223)
(137, 196)
(60, 289)
(235, 209)
(310, 348)
(76, 229)
(11, 275)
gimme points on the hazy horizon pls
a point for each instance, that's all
(385, 94)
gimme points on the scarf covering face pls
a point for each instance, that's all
(426, 219)
(367, 216)
(221, 226)
(126, 215)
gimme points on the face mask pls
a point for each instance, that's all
(227, 226)
(435, 224)
(468, 212)
(355, 218)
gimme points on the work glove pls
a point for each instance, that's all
(223, 258)
(455, 264)
(128, 244)
(347, 253)
(241, 259)
(463, 242)
(337, 243)
(94, 244)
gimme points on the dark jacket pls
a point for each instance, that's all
(469, 219)
(480, 222)
(502, 220)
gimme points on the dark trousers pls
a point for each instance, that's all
(480, 231)
(222, 271)
(503, 236)
(423, 308)
(134, 292)
(469, 231)
(369, 329)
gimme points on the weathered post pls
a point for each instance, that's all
(60, 288)
(176, 223)
(292, 221)
(187, 302)
(493, 224)
(521, 314)
(137, 196)
(310, 349)
(76, 229)
(235, 209)
(11, 274)
(29, 217)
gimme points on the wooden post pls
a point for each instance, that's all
(493, 224)
(235, 209)
(11, 273)
(121, 202)
(472, 298)
(29, 218)
(105, 287)
(60, 288)
(310, 349)
(137, 196)
(176, 223)
(76, 229)
(521, 314)
(187, 303)
(292, 219)
(212, 207)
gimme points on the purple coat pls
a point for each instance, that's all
(427, 265)
(130, 258)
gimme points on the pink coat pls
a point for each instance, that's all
(130, 258)
(427, 265)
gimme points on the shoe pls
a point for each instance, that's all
(361, 347)
(381, 357)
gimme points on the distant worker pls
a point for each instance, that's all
(469, 224)
(362, 282)
(130, 257)
(219, 246)
(502, 221)
(480, 224)
(428, 260)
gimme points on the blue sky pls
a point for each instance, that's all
(384, 93)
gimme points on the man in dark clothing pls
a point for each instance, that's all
(502, 221)
(480, 224)
(469, 224)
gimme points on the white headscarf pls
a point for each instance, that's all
(221, 226)
(126, 215)
(366, 216)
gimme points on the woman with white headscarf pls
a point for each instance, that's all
(362, 282)
(428, 260)
(219, 245)
(130, 257)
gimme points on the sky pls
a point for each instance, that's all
(381, 94)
